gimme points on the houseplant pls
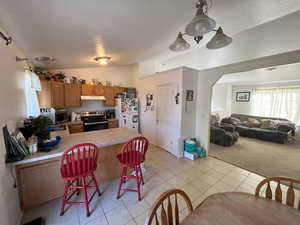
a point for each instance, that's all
(40, 126)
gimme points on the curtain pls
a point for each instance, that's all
(32, 85)
(279, 102)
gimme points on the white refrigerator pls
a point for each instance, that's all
(127, 113)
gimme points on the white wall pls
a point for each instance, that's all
(245, 107)
(118, 75)
(221, 100)
(185, 114)
(13, 108)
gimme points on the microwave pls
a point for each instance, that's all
(61, 116)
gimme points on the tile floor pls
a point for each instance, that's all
(198, 179)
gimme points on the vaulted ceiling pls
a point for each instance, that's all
(76, 31)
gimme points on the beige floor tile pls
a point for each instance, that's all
(140, 220)
(198, 179)
(118, 216)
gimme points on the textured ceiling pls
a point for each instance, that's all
(76, 31)
(284, 73)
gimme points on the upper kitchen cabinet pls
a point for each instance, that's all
(52, 94)
(109, 94)
(57, 94)
(88, 90)
(99, 90)
(45, 95)
(119, 90)
(72, 95)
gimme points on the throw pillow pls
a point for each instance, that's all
(253, 122)
(265, 124)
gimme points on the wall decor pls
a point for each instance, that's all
(189, 95)
(243, 96)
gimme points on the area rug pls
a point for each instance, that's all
(264, 158)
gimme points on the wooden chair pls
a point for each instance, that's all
(168, 215)
(77, 164)
(132, 156)
(290, 195)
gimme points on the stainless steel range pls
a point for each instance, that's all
(94, 121)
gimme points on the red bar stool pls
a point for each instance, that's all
(77, 164)
(132, 155)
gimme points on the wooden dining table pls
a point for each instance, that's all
(236, 208)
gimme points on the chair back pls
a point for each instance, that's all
(169, 214)
(277, 194)
(134, 150)
(79, 160)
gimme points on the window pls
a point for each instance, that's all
(32, 85)
(277, 102)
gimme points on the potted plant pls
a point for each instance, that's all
(60, 76)
(41, 127)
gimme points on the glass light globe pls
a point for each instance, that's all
(220, 40)
(200, 25)
(179, 44)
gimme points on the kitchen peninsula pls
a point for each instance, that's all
(38, 176)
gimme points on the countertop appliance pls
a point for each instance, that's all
(48, 112)
(94, 121)
(127, 113)
(61, 116)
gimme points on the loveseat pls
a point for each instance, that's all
(276, 130)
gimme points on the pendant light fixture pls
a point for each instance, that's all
(200, 25)
(179, 44)
(220, 40)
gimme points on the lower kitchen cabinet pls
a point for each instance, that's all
(39, 182)
(75, 128)
(113, 124)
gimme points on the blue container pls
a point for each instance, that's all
(190, 146)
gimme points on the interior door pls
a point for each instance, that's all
(166, 117)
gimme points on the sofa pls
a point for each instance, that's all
(272, 129)
(222, 134)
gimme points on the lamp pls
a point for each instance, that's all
(179, 44)
(103, 60)
(220, 40)
(200, 25)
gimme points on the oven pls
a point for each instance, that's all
(93, 121)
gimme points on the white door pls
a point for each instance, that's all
(166, 117)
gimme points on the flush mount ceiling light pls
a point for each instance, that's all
(103, 60)
(200, 25)
(44, 59)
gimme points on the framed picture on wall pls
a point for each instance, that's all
(243, 96)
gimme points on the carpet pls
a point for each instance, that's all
(264, 158)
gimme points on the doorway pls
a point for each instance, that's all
(167, 124)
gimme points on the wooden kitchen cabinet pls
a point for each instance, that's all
(88, 90)
(52, 94)
(75, 128)
(99, 90)
(57, 94)
(119, 90)
(109, 96)
(38, 183)
(45, 95)
(72, 95)
(113, 124)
